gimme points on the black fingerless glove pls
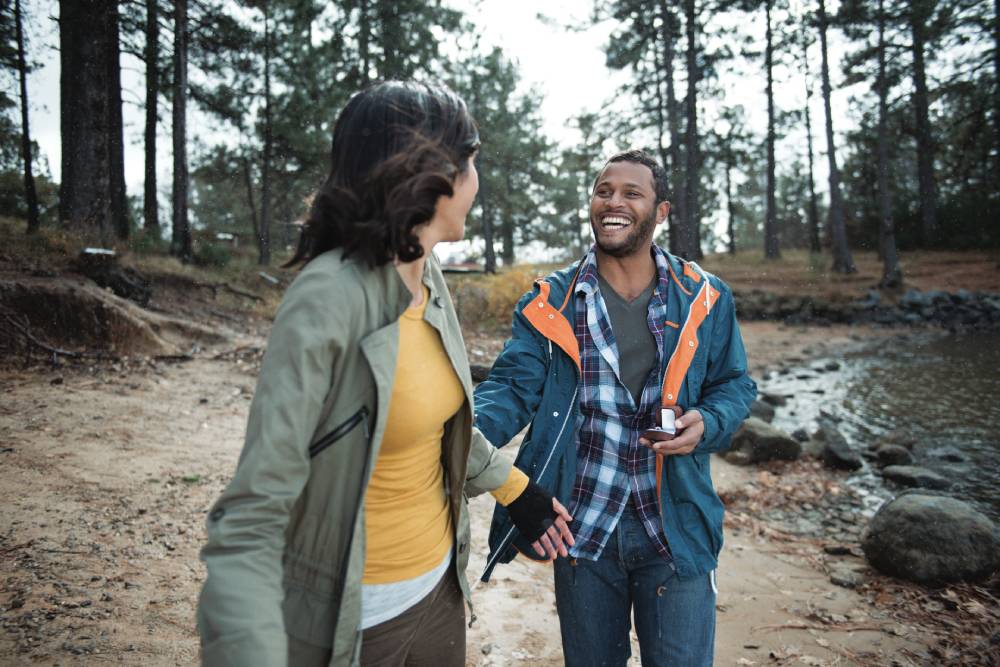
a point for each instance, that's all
(532, 512)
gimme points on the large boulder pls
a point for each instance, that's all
(931, 539)
(894, 455)
(757, 441)
(915, 476)
(837, 452)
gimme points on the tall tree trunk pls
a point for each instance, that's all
(676, 169)
(919, 15)
(842, 260)
(264, 233)
(388, 16)
(771, 247)
(996, 87)
(892, 274)
(813, 210)
(116, 138)
(150, 206)
(92, 189)
(690, 244)
(248, 184)
(180, 245)
(729, 206)
(29, 178)
(507, 223)
(364, 39)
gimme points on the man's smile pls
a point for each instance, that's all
(615, 221)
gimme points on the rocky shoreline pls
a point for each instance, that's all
(912, 308)
(922, 534)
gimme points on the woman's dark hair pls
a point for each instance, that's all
(397, 147)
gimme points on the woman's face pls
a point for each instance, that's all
(448, 223)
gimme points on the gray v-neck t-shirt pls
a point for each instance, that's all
(635, 342)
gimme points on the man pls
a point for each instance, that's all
(599, 351)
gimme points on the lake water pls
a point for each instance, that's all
(942, 389)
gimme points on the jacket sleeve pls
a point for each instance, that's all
(240, 617)
(506, 401)
(727, 390)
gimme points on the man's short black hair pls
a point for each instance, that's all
(637, 156)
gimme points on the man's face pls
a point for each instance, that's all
(623, 210)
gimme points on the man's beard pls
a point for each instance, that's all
(639, 234)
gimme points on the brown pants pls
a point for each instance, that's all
(431, 633)
(428, 634)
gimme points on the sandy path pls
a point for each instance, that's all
(107, 477)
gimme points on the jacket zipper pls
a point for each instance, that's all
(340, 431)
(506, 538)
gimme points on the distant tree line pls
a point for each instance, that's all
(916, 164)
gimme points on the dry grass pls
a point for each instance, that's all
(798, 272)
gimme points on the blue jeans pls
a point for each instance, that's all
(674, 618)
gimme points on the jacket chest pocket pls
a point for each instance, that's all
(696, 372)
(358, 419)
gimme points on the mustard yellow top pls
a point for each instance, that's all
(408, 523)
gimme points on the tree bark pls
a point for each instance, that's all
(918, 16)
(264, 233)
(690, 243)
(813, 210)
(729, 207)
(116, 139)
(676, 168)
(489, 252)
(150, 205)
(92, 178)
(364, 37)
(31, 197)
(996, 86)
(842, 260)
(507, 224)
(771, 245)
(181, 241)
(248, 184)
(892, 274)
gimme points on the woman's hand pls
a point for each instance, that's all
(542, 520)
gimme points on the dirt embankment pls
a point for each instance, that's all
(110, 466)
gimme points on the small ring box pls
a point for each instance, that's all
(666, 431)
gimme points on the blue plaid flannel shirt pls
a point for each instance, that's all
(611, 464)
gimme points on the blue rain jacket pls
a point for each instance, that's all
(535, 380)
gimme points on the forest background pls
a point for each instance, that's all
(735, 98)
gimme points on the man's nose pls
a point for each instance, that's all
(615, 200)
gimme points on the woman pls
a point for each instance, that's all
(343, 536)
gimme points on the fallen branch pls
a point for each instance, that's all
(173, 358)
(235, 352)
(229, 288)
(16, 547)
(26, 332)
(813, 626)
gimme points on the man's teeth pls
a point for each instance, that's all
(615, 221)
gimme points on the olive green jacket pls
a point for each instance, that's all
(286, 540)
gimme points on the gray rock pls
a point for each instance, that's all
(762, 410)
(915, 476)
(846, 577)
(757, 441)
(893, 455)
(837, 452)
(896, 437)
(931, 539)
(773, 399)
(832, 366)
(800, 434)
(950, 454)
(813, 448)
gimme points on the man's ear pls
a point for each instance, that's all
(662, 211)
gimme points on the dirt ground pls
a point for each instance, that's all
(109, 468)
(108, 474)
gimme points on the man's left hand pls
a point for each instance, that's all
(691, 427)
